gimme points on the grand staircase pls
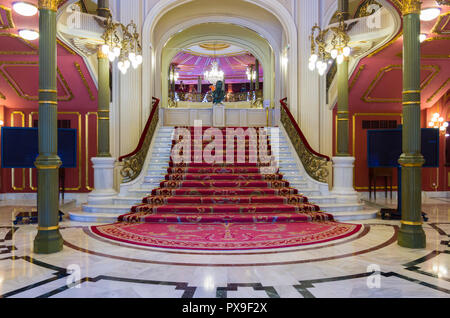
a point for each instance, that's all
(164, 190)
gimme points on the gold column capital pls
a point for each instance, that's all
(49, 4)
(411, 6)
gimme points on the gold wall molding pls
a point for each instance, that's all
(66, 47)
(435, 69)
(16, 87)
(2, 96)
(9, 23)
(217, 55)
(400, 33)
(34, 49)
(354, 138)
(88, 187)
(358, 74)
(79, 129)
(13, 178)
(439, 29)
(85, 82)
(438, 90)
(431, 56)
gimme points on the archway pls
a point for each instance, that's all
(206, 33)
(268, 20)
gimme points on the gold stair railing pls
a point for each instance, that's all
(134, 161)
(314, 163)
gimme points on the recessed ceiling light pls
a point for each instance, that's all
(25, 8)
(429, 14)
(29, 34)
(422, 37)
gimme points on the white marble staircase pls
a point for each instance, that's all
(157, 163)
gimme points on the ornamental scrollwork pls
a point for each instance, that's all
(315, 166)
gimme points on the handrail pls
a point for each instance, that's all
(134, 161)
(313, 162)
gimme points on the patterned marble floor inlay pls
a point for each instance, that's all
(367, 264)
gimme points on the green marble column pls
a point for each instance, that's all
(342, 123)
(48, 239)
(104, 93)
(411, 233)
(103, 8)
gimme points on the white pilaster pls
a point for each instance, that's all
(308, 13)
(343, 179)
(130, 106)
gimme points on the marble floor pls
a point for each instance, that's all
(367, 264)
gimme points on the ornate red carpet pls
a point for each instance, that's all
(225, 206)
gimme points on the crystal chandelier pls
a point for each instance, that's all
(215, 74)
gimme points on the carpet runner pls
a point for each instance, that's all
(223, 205)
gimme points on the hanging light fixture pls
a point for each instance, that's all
(438, 122)
(122, 43)
(215, 74)
(251, 74)
(320, 58)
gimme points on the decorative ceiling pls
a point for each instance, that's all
(19, 69)
(377, 81)
(191, 65)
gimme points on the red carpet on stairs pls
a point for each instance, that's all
(225, 206)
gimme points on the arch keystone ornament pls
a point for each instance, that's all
(411, 233)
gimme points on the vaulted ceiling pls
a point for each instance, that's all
(190, 65)
(19, 68)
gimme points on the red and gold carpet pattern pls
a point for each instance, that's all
(225, 207)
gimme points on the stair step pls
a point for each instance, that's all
(93, 217)
(339, 207)
(364, 214)
(127, 200)
(106, 208)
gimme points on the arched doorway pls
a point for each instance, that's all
(243, 75)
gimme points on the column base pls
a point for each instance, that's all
(343, 180)
(48, 242)
(411, 236)
(103, 180)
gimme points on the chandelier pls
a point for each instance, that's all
(215, 74)
(438, 122)
(174, 76)
(122, 43)
(251, 74)
(323, 53)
